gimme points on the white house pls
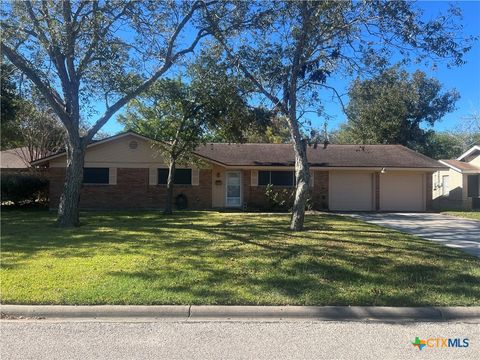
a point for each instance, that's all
(459, 186)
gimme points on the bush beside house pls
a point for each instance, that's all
(22, 188)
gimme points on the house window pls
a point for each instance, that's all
(445, 188)
(472, 183)
(181, 176)
(96, 175)
(276, 178)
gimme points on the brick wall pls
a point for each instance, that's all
(132, 191)
(319, 192)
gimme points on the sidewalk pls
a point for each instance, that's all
(201, 312)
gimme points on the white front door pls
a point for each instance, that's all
(233, 190)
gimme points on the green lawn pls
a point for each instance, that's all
(226, 258)
(472, 214)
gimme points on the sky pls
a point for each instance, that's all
(465, 79)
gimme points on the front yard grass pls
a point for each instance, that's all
(226, 258)
(472, 214)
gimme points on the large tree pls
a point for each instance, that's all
(181, 116)
(81, 53)
(291, 49)
(395, 107)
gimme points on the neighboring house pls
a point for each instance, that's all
(15, 159)
(124, 171)
(458, 187)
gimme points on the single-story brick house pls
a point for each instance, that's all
(125, 172)
(458, 185)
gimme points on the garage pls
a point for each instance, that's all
(402, 191)
(351, 191)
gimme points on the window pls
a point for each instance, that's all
(277, 178)
(95, 175)
(473, 184)
(181, 176)
(445, 189)
(263, 177)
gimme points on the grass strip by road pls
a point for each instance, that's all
(467, 214)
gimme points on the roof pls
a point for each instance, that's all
(461, 166)
(17, 158)
(469, 151)
(397, 156)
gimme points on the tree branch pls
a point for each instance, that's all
(217, 33)
(49, 93)
(169, 60)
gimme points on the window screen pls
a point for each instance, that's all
(181, 176)
(281, 178)
(95, 175)
(263, 177)
(276, 178)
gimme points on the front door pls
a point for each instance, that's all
(233, 191)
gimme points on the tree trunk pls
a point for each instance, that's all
(302, 176)
(68, 212)
(170, 184)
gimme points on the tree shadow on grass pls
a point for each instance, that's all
(244, 258)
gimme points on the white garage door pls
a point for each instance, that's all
(351, 191)
(402, 192)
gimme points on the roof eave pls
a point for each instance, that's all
(469, 151)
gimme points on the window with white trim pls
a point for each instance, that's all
(181, 176)
(96, 175)
(276, 178)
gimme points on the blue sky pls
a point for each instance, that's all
(466, 79)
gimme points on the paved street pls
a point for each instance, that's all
(45, 339)
(463, 234)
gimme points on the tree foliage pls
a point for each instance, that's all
(10, 133)
(396, 108)
(181, 116)
(443, 145)
(27, 122)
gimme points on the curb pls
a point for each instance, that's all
(95, 311)
(204, 312)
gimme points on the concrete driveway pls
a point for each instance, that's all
(451, 231)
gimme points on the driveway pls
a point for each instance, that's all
(451, 231)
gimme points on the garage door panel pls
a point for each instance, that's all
(402, 192)
(351, 191)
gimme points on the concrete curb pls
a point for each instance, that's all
(95, 311)
(203, 312)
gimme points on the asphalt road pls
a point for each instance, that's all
(47, 339)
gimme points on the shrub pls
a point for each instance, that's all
(22, 188)
(282, 200)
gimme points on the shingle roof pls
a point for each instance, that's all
(282, 155)
(333, 156)
(17, 158)
(461, 165)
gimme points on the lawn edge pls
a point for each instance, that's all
(214, 312)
